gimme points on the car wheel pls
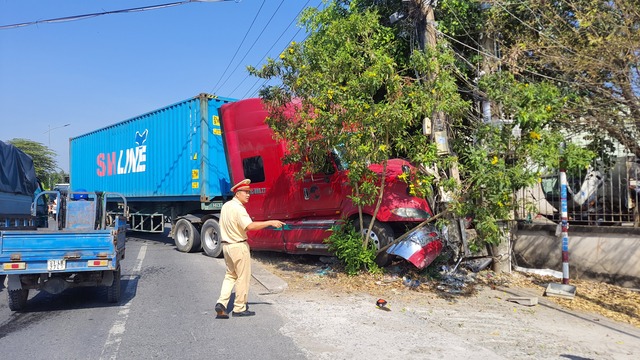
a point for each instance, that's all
(381, 235)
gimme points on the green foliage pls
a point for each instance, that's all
(359, 94)
(589, 49)
(346, 242)
(364, 89)
(43, 159)
(503, 158)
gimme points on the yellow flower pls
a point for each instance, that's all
(330, 93)
(548, 108)
(494, 160)
(534, 135)
(382, 147)
(290, 50)
(433, 91)
(282, 56)
(403, 176)
(500, 204)
(293, 43)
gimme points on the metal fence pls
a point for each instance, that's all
(599, 196)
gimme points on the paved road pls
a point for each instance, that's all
(166, 313)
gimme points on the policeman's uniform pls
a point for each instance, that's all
(234, 220)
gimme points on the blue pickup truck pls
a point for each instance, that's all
(82, 246)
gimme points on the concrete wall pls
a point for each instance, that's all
(610, 254)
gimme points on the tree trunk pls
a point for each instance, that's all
(501, 253)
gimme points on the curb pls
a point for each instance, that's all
(271, 282)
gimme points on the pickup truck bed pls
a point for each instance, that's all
(77, 247)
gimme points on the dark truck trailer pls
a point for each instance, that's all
(18, 186)
(179, 163)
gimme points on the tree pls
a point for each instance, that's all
(43, 159)
(589, 48)
(509, 148)
(365, 90)
(356, 92)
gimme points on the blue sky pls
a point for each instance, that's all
(95, 72)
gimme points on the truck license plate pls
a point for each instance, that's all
(53, 265)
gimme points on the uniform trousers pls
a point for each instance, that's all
(238, 260)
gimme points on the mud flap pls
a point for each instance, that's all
(13, 282)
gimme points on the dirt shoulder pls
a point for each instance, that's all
(333, 316)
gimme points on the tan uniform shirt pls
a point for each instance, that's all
(234, 219)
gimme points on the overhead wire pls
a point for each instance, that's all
(543, 34)
(276, 41)
(92, 15)
(239, 46)
(251, 46)
(252, 90)
(266, 80)
(480, 51)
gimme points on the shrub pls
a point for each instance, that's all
(346, 243)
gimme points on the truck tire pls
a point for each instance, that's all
(381, 235)
(18, 299)
(114, 290)
(186, 236)
(210, 236)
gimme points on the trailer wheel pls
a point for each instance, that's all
(18, 299)
(381, 235)
(210, 236)
(114, 290)
(186, 236)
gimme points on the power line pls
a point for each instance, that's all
(276, 41)
(265, 81)
(251, 46)
(239, 46)
(87, 16)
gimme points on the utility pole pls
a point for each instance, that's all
(427, 39)
(49, 146)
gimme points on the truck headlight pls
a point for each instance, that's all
(411, 213)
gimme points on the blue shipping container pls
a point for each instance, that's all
(159, 156)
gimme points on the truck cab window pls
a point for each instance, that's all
(327, 167)
(253, 168)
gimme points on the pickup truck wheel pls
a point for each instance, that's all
(186, 236)
(381, 235)
(210, 236)
(114, 291)
(18, 299)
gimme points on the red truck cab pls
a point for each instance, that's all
(312, 205)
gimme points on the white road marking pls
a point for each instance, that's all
(112, 345)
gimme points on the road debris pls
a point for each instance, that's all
(524, 300)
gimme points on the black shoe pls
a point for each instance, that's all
(221, 311)
(244, 313)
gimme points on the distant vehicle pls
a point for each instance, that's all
(179, 163)
(598, 196)
(61, 188)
